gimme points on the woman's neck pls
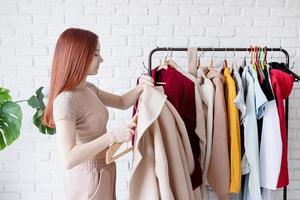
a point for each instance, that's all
(82, 84)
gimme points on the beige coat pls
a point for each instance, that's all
(219, 169)
(163, 158)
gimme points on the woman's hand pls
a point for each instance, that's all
(145, 80)
(125, 132)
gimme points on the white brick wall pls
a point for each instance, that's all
(128, 30)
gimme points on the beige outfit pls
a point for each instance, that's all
(200, 115)
(163, 158)
(207, 91)
(219, 168)
(94, 179)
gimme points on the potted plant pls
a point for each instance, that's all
(11, 116)
(10, 119)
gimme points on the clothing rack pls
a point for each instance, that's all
(287, 61)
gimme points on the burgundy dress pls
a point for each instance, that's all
(180, 92)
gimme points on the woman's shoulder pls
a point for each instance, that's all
(63, 98)
(93, 87)
(76, 94)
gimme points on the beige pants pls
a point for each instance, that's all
(92, 180)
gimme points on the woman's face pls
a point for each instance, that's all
(97, 59)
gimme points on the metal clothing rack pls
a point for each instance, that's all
(287, 62)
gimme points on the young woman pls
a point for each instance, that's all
(77, 109)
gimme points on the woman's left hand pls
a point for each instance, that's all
(145, 80)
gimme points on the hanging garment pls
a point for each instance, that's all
(239, 100)
(207, 91)
(180, 92)
(234, 133)
(200, 116)
(267, 89)
(162, 155)
(200, 129)
(192, 61)
(270, 139)
(242, 116)
(219, 168)
(240, 71)
(282, 84)
(255, 100)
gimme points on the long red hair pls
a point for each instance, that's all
(73, 54)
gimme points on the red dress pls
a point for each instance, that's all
(282, 84)
(180, 92)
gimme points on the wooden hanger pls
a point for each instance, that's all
(112, 150)
(110, 153)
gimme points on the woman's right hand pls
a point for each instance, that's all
(124, 133)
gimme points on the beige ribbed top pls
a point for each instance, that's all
(82, 106)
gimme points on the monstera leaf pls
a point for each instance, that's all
(36, 102)
(4, 95)
(10, 119)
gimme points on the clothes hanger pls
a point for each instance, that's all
(110, 153)
(163, 62)
(254, 60)
(199, 58)
(244, 63)
(250, 52)
(234, 65)
(112, 150)
(260, 63)
(265, 56)
(169, 57)
(145, 68)
(171, 62)
(228, 65)
(225, 64)
(258, 69)
(282, 67)
(211, 60)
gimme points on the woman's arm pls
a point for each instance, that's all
(126, 100)
(73, 154)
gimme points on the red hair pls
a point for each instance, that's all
(73, 54)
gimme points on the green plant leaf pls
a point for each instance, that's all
(36, 101)
(10, 123)
(37, 121)
(4, 95)
(33, 102)
(40, 97)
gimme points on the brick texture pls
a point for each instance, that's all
(128, 29)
